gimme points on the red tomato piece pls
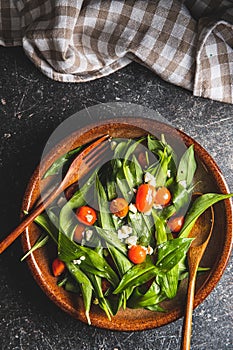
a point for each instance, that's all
(162, 196)
(86, 215)
(137, 254)
(119, 207)
(145, 197)
(175, 223)
(78, 233)
(142, 159)
(58, 267)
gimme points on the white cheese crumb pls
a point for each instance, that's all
(132, 240)
(149, 196)
(169, 173)
(157, 206)
(133, 208)
(89, 234)
(149, 250)
(150, 179)
(82, 257)
(89, 217)
(77, 261)
(124, 232)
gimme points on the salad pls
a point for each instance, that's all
(122, 234)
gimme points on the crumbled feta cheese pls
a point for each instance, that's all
(149, 250)
(124, 231)
(144, 248)
(82, 257)
(132, 240)
(150, 179)
(77, 262)
(89, 234)
(133, 208)
(127, 229)
(89, 217)
(157, 206)
(169, 173)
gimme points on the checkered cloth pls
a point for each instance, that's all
(187, 43)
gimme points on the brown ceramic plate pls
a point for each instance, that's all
(216, 255)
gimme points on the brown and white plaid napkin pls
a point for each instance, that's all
(188, 43)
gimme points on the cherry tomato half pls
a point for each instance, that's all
(175, 223)
(145, 197)
(162, 196)
(86, 215)
(58, 267)
(142, 159)
(137, 254)
(119, 207)
(78, 233)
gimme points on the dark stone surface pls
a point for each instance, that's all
(31, 107)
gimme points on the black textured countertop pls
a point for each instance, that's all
(31, 107)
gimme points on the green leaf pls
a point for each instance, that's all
(111, 237)
(42, 240)
(152, 297)
(171, 253)
(122, 263)
(96, 283)
(105, 217)
(56, 167)
(136, 170)
(44, 221)
(123, 186)
(67, 219)
(169, 282)
(198, 207)
(187, 167)
(180, 196)
(160, 225)
(68, 251)
(85, 286)
(131, 148)
(136, 276)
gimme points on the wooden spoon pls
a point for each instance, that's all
(201, 231)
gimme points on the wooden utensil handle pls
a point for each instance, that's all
(29, 219)
(187, 328)
(20, 228)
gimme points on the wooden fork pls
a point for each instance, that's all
(81, 165)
